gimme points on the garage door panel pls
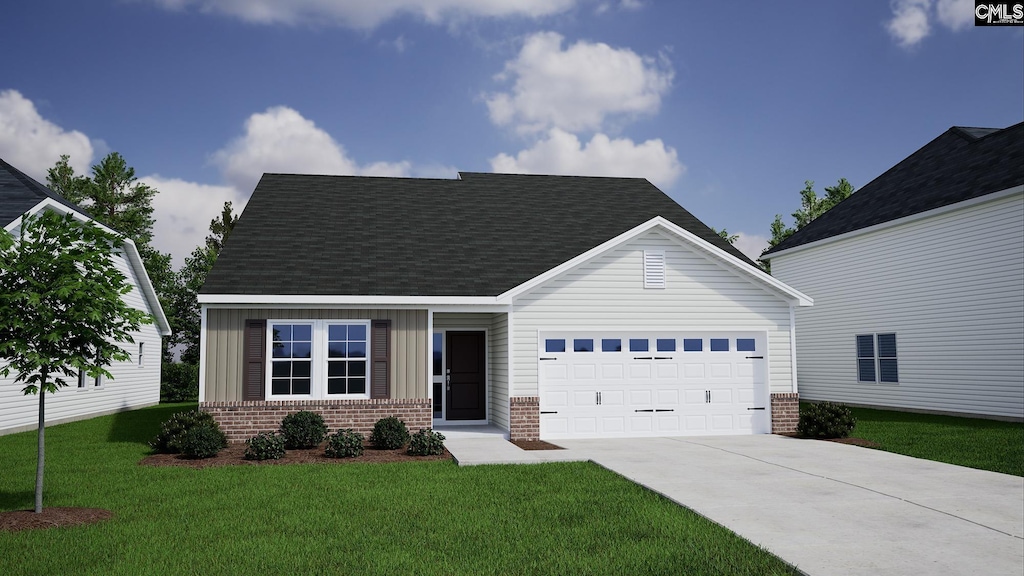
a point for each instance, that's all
(556, 399)
(668, 397)
(613, 398)
(584, 372)
(693, 371)
(553, 373)
(695, 396)
(668, 423)
(696, 423)
(721, 370)
(641, 397)
(612, 371)
(721, 422)
(584, 398)
(744, 370)
(641, 423)
(667, 371)
(640, 371)
(614, 424)
(582, 425)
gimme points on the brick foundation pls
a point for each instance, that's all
(243, 420)
(785, 413)
(524, 415)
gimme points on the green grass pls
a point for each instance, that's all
(972, 442)
(405, 518)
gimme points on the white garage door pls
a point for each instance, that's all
(608, 384)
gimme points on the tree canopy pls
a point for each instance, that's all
(811, 206)
(61, 307)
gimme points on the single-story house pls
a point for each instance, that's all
(548, 306)
(918, 282)
(135, 384)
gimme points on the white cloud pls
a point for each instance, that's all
(369, 14)
(32, 143)
(282, 140)
(751, 244)
(183, 210)
(562, 153)
(577, 88)
(912, 19)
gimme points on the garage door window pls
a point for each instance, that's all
(693, 345)
(554, 345)
(745, 345)
(719, 344)
(638, 345)
(611, 345)
(666, 344)
(583, 345)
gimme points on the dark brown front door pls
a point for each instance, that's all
(465, 376)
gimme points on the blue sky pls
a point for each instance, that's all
(726, 107)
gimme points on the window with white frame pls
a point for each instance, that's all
(876, 358)
(142, 354)
(318, 358)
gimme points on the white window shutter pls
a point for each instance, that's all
(654, 268)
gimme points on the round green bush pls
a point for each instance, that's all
(264, 446)
(345, 443)
(389, 433)
(303, 429)
(825, 420)
(169, 439)
(426, 443)
(202, 442)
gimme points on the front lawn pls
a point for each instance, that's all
(972, 442)
(406, 518)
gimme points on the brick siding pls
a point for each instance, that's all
(524, 413)
(243, 420)
(785, 413)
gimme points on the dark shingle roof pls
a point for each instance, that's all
(477, 236)
(19, 193)
(961, 164)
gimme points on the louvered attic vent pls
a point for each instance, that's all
(654, 268)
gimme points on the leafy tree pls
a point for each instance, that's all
(724, 233)
(810, 208)
(61, 309)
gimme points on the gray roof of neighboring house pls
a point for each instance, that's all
(961, 164)
(19, 193)
(480, 235)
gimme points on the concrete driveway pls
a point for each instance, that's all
(830, 508)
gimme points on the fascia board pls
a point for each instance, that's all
(314, 300)
(129, 247)
(900, 221)
(687, 237)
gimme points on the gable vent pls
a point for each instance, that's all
(654, 268)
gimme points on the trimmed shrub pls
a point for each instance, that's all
(426, 443)
(303, 429)
(202, 441)
(264, 446)
(171, 431)
(825, 420)
(389, 433)
(345, 443)
(179, 382)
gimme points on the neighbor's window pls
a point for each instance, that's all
(291, 364)
(142, 350)
(876, 358)
(346, 358)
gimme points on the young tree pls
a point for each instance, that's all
(810, 208)
(724, 233)
(61, 309)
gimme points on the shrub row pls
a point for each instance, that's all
(825, 420)
(196, 434)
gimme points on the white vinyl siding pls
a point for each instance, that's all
(950, 285)
(132, 386)
(608, 293)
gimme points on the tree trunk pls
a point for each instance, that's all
(41, 453)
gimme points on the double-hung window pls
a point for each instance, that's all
(319, 358)
(876, 358)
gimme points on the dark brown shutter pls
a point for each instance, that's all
(380, 358)
(254, 361)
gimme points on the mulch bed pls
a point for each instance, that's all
(233, 456)
(51, 518)
(536, 445)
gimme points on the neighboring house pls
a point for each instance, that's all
(918, 282)
(136, 383)
(547, 306)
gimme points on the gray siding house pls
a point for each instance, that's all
(136, 383)
(918, 282)
(548, 306)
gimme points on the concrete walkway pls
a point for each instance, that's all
(824, 507)
(484, 444)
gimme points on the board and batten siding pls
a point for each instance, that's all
(225, 330)
(496, 326)
(951, 286)
(132, 385)
(607, 293)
